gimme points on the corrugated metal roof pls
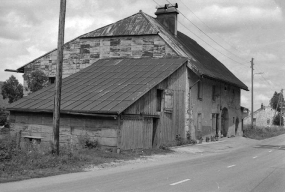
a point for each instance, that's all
(107, 86)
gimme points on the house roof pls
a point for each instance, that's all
(107, 86)
(201, 61)
(207, 64)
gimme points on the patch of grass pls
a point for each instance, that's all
(19, 164)
(260, 133)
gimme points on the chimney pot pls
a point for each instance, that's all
(167, 16)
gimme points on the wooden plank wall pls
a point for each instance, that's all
(170, 123)
(136, 134)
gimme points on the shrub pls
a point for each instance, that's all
(86, 142)
(7, 148)
(263, 132)
(3, 117)
(276, 120)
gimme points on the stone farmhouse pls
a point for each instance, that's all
(136, 83)
(263, 117)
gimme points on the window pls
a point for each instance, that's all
(200, 90)
(214, 93)
(51, 80)
(268, 121)
(158, 99)
(168, 96)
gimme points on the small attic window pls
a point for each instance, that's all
(200, 90)
(51, 80)
(159, 93)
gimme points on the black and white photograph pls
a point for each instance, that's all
(142, 95)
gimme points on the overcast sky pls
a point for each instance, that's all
(244, 29)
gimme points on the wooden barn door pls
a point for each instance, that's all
(136, 134)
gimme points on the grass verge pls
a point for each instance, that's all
(17, 165)
(260, 133)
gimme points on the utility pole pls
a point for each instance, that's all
(57, 97)
(281, 100)
(252, 92)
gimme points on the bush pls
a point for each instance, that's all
(3, 117)
(263, 132)
(276, 120)
(7, 148)
(86, 142)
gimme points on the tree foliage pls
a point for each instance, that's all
(275, 101)
(276, 120)
(12, 89)
(37, 80)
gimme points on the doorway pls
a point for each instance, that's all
(225, 122)
(236, 125)
(217, 124)
(199, 125)
(154, 132)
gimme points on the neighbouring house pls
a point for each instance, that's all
(136, 83)
(263, 117)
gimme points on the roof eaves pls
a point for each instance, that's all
(244, 87)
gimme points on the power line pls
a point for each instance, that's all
(206, 42)
(209, 27)
(206, 34)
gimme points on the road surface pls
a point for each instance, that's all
(259, 166)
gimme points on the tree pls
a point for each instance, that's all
(37, 80)
(12, 89)
(276, 120)
(276, 100)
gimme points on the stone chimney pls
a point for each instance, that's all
(167, 16)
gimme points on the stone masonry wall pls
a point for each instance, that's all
(72, 127)
(226, 96)
(81, 53)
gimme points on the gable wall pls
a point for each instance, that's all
(81, 53)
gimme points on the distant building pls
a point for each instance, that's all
(262, 117)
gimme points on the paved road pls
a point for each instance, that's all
(259, 167)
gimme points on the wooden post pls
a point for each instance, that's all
(57, 98)
(280, 114)
(252, 93)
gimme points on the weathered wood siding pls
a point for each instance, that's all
(171, 123)
(136, 134)
(104, 130)
(81, 53)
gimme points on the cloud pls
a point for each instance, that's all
(232, 18)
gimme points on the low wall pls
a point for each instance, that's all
(39, 126)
